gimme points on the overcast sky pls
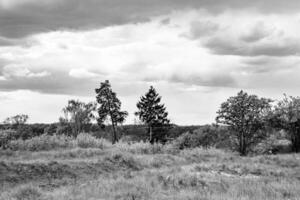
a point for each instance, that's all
(196, 53)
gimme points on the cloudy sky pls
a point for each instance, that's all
(196, 53)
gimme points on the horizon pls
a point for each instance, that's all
(195, 53)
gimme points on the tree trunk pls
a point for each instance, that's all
(150, 134)
(242, 148)
(114, 138)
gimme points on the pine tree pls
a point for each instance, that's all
(153, 114)
(110, 107)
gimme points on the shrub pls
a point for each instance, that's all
(5, 137)
(188, 140)
(42, 143)
(206, 136)
(85, 140)
(141, 147)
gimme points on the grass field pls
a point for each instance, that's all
(142, 171)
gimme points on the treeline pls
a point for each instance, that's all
(243, 122)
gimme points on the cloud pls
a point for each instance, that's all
(202, 28)
(265, 64)
(57, 83)
(14, 70)
(212, 80)
(223, 46)
(26, 17)
(258, 32)
(6, 42)
(82, 73)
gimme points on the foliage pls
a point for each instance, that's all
(141, 147)
(154, 115)
(42, 143)
(286, 116)
(85, 140)
(109, 107)
(207, 136)
(16, 120)
(246, 116)
(78, 114)
(6, 136)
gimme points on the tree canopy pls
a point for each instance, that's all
(246, 116)
(109, 108)
(78, 114)
(153, 113)
(286, 116)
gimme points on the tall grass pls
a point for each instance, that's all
(53, 142)
(42, 143)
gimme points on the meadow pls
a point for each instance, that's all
(86, 168)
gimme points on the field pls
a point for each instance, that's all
(144, 171)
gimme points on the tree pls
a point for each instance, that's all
(78, 114)
(16, 120)
(246, 116)
(286, 116)
(109, 108)
(153, 114)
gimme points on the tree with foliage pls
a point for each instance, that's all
(246, 117)
(286, 116)
(78, 114)
(16, 120)
(153, 114)
(109, 108)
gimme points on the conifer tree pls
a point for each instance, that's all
(109, 108)
(152, 113)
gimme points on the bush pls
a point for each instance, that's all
(6, 136)
(205, 137)
(51, 142)
(85, 140)
(141, 147)
(190, 140)
(42, 143)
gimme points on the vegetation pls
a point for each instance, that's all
(154, 115)
(109, 106)
(287, 116)
(77, 115)
(73, 159)
(145, 171)
(246, 116)
(16, 120)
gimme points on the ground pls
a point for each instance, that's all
(144, 172)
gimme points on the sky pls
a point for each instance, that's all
(196, 53)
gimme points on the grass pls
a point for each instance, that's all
(97, 170)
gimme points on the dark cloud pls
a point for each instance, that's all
(210, 80)
(165, 21)
(224, 46)
(202, 28)
(60, 82)
(6, 42)
(214, 80)
(44, 16)
(258, 32)
(258, 65)
(56, 83)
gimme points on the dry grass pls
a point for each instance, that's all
(142, 171)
